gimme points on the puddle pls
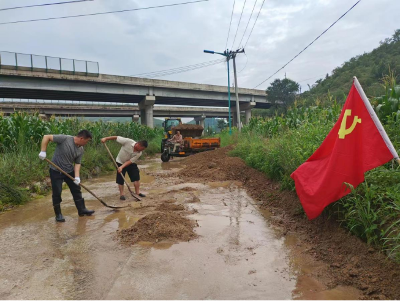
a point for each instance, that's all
(237, 255)
(145, 178)
(159, 245)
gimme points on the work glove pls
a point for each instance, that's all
(42, 155)
(77, 180)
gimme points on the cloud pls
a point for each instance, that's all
(151, 40)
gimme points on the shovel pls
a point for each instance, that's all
(116, 166)
(80, 184)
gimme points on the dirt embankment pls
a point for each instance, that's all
(349, 261)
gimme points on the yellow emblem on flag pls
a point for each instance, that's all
(343, 131)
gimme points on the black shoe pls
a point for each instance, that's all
(122, 198)
(80, 205)
(59, 216)
(142, 195)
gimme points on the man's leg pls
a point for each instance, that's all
(75, 189)
(134, 175)
(137, 187)
(77, 196)
(56, 186)
(121, 189)
(120, 181)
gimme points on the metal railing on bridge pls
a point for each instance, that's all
(66, 102)
(48, 64)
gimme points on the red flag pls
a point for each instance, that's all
(357, 143)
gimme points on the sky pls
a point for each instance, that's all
(151, 40)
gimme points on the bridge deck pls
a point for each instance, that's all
(22, 84)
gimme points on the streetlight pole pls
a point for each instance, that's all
(226, 54)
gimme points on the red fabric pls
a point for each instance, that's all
(320, 180)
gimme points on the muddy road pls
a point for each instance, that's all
(238, 253)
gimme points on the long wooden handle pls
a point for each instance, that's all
(116, 166)
(80, 184)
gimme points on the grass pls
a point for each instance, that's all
(20, 137)
(278, 146)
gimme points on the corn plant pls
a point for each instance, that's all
(388, 104)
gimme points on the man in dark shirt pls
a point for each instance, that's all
(69, 150)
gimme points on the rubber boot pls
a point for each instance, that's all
(59, 216)
(80, 205)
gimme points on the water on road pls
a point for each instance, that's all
(238, 255)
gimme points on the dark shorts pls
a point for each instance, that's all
(133, 172)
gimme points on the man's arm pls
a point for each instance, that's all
(45, 141)
(127, 163)
(77, 168)
(103, 140)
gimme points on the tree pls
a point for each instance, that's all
(396, 36)
(282, 92)
(221, 124)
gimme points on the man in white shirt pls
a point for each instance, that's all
(177, 139)
(129, 153)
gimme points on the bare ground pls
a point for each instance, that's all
(344, 259)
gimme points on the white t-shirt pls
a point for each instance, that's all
(126, 152)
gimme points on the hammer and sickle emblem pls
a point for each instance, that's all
(343, 131)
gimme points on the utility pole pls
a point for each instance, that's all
(226, 54)
(234, 53)
(231, 55)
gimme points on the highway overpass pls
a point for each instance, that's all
(61, 109)
(25, 84)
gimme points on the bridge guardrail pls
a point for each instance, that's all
(48, 64)
(66, 102)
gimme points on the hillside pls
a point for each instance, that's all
(368, 67)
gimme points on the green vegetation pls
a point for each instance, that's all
(20, 138)
(368, 67)
(156, 122)
(282, 93)
(277, 146)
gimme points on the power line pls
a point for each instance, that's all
(103, 13)
(248, 23)
(229, 30)
(304, 80)
(239, 23)
(262, 4)
(179, 68)
(45, 4)
(309, 44)
(182, 70)
(167, 72)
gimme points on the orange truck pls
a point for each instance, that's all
(192, 142)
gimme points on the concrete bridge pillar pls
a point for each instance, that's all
(135, 118)
(247, 109)
(146, 110)
(200, 121)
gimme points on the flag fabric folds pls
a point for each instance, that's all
(357, 143)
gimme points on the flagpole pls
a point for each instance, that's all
(376, 120)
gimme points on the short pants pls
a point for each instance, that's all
(133, 172)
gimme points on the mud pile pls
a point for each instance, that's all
(159, 226)
(349, 260)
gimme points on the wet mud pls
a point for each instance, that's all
(331, 263)
(238, 252)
